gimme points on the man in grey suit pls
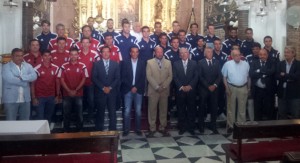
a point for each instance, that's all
(159, 76)
(185, 76)
(106, 77)
(16, 76)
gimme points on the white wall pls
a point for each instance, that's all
(10, 27)
(274, 24)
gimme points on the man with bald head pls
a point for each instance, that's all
(159, 76)
(185, 75)
(263, 84)
(237, 85)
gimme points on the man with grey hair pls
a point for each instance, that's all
(159, 76)
(137, 27)
(237, 85)
(288, 89)
(60, 31)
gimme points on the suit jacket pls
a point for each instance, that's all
(209, 75)
(182, 79)
(157, 76)
(292, 79)
(266, 74)
(100, 79)
(11, 82)
(127, 76)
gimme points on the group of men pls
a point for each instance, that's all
(101, 68)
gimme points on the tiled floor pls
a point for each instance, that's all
(200, 148)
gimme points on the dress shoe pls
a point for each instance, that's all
(151, 134)
(180, 132)
(139, 133)
(165, 133)
(192, 132)
(125, 133)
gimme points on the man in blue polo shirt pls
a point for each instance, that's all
(110, 31)
(173, 53)
(125, 41)
(232, 40)
(246, 47)
(193, 37)
(45, 36)
(210, 37)
(164, 42)
(174, 33)
(182, 40)
(198, 52)
(95, 34)
(272, 53)
(156, 33)
(146, 45)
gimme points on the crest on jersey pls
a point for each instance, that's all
(43, 72)
(77, 70)
(52, 73)
(91, 59)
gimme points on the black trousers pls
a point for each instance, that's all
(186, 110)
(263, 104)
(104, 101)
(209, 99)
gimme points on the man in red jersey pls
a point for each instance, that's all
(34, 56)
(60, 55)
(45, 90)
(87, 32)
(88, 57)
(60, 30)
(72, 78)
(115, 51)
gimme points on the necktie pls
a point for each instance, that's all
(209, 63)
(106, 67)
(159, 63)
(185, 66)
(263, 63)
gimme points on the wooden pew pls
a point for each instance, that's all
(291, 157)
(42, 147)
(263, 150)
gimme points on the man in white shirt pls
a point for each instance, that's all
(237, 85)
(137, 27)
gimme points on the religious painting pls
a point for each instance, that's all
(128, 9)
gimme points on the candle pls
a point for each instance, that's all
(193, 3)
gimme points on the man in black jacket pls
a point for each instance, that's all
(185, 76)
(262, 73)
(209, 78)
(133, 87)
(288, 90)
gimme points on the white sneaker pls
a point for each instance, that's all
(222, 117)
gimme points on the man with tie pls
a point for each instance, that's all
(133, 88)
(237, 86)
(209, 78)
(185, 75)
(159, 76)
(262, 73)
(106, 77)
(288, 89)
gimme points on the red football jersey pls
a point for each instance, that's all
(88, 59)
(31, 59)
(115, 53)
(95, 44)
(60, 58)
(53, 43)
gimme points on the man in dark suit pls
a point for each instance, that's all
(288, 90)
(185, 75)
(209, 78)
(263, 83)
(133, 88)
(106, 77)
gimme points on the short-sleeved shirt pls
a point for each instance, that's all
(31, 59)
(172, 55)
(45, 84)
(60, 58)
(113, 34)
(125, 44)
(53, 44)
(146, 49)
(95, 44)
(236, 73)
(115, 53)
(193, 39)
(72, 75)
(45, 39)
(88, 59)
(227, 44)
(197, 54)
(95, 34)
(246, 47)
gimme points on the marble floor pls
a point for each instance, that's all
(199, 148)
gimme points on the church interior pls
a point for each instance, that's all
(271, 140)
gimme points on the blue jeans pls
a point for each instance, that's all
(70, 103)
(128, 99)
(12, 110)
(88, 100)
(45, 108)
(288, 106)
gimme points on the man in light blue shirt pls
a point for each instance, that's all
(16, 76)
(236, 80)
